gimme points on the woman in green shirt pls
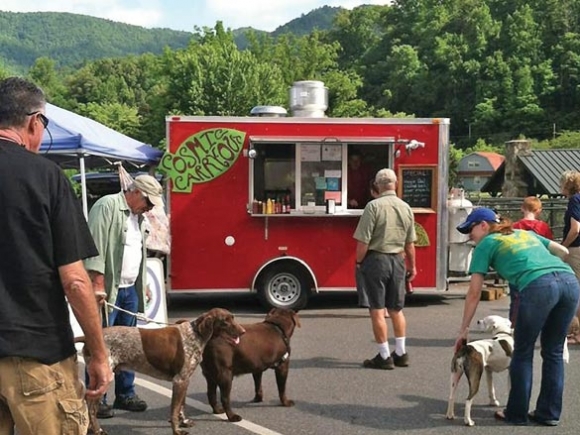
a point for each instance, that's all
(549, 293)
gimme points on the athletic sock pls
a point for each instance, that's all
(384, 350)
(400, 346)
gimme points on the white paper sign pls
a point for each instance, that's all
(332, 152)
(309, 152)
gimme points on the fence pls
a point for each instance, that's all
(553, 210)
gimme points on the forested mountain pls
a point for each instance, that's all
(320, 19)
(70, 39)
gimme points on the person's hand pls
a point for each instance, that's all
(411, 274)
(148, 295)
(100, 377)
(461, 340)
(100, 296)
(352, 203)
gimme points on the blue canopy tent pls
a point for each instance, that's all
(79, 142)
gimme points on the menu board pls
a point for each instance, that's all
(417, 186)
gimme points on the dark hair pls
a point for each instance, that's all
(18, 99)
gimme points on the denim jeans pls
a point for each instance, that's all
(546, 307)
(126, 299)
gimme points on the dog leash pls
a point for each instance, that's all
(139, 316)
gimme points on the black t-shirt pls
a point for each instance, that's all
(42, 228)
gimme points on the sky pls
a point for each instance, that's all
(185, 14)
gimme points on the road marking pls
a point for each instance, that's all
(246, 424)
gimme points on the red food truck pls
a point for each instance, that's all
(262, 203)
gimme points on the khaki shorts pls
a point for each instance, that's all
(41, 399)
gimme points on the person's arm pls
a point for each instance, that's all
(557, 249)
(410, 260)
(572, 234)
(79, 292)
(471, 301)
(361, 251)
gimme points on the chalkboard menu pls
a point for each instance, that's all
(418, 186)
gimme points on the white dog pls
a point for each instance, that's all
(492, 355)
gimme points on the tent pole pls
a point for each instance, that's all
(84, 186)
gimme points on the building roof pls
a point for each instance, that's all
(494, 159)
(544, 167)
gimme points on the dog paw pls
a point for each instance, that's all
(450, 416)
(234, 418)
(257, 399)
(186, 422)
(493, 402)
(469, 423)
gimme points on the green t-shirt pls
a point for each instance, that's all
(519, 258)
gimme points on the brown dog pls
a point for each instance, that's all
(171, 354)
(265, 345)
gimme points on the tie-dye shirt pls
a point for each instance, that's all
(519, 258)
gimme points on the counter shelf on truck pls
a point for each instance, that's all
(264, 204)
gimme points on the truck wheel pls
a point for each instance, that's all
(284, 287)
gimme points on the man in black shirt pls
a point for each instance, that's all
(44, 240)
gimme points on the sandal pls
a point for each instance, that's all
(499, 415)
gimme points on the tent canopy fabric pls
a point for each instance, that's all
(75, 136)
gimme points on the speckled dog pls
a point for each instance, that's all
(171, 354)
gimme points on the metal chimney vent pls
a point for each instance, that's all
(308, 98)
(268, 111)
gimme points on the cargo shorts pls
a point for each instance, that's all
(384, 278)
(41, 399)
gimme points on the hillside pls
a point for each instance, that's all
(320, 19)
(70, 39)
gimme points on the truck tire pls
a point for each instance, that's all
(284, 286)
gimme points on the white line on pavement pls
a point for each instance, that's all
(246, 424)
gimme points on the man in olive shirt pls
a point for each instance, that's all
(385, 239)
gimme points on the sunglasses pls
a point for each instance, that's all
(150, 205)
(43, 119)
(472, 226)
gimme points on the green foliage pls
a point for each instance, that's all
(455, 156)
(320, 19)
(565, 140)
(71, 39)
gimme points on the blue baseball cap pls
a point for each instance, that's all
(476, 216)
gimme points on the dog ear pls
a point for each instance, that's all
(203, 326)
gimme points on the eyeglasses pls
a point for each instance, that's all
(43, 119)
(150, 205)
(473, 226)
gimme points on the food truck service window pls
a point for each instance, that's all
(302, 175)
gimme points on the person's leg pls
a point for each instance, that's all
(44, 398)
(395, 302)
(535, 303)
(374, 270)
(513, 304)
(549, 403)
(127, 299)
